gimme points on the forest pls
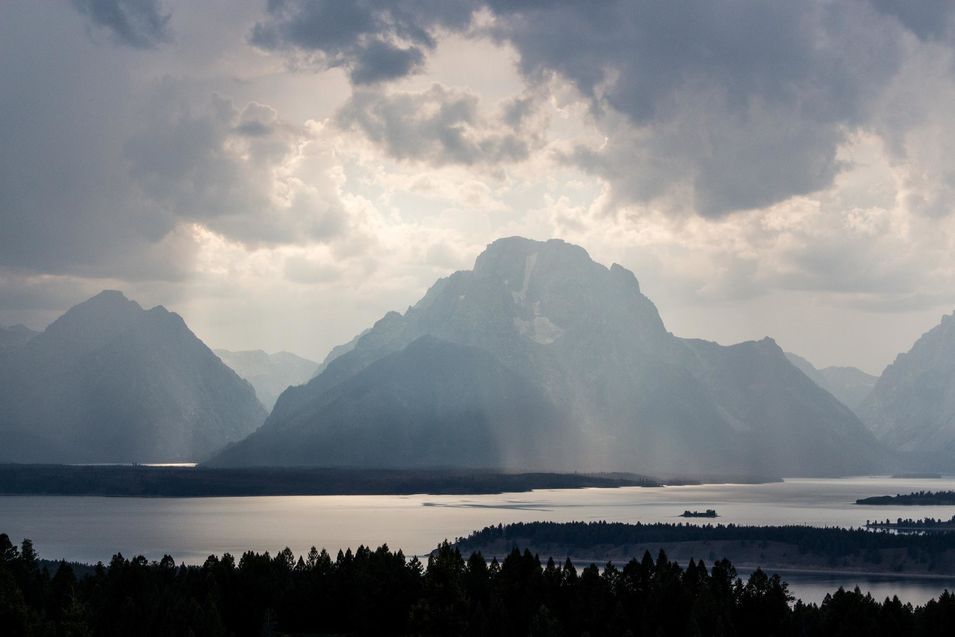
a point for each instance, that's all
(576, 537)
(382, 592)
(191, 482)
(917, 498)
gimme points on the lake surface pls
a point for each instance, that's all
(89, 529)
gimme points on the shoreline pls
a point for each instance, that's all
(179, 481)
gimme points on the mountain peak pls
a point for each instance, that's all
(538, 333)
(507, 256)
(92, 322)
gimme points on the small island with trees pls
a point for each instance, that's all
(709, 513)
(917, 498)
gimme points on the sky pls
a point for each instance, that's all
(283, 173)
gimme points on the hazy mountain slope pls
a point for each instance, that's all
(15, 336)
(433, 403)
(848, 384)
(787, 420)
(912, 406)
(111, 382)
(269, 374)
(595, 347)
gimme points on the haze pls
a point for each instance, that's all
(282, 174)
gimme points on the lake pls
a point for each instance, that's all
(89, 529)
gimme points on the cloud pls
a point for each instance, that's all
(240, 171)
(440, 126)
(140, 24)
(928, 19)
(373, 41)
(710, 107)
(65, 204)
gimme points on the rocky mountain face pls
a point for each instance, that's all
(590, 375)
(849, 384)
(15, 336)
(269, 374)
(912, 406)
(111, 382)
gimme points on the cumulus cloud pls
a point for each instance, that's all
(713, 107)
(141, 24)
(441, 126)
(372, 40)
(238, 170)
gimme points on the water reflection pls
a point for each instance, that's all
(93, 528)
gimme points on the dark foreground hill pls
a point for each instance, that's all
(111, 382)
(539, 358)
(781, 548)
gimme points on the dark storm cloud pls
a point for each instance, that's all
(373, 40)
(137, 23)
(928, 19)
(216, 164)
(740, 103)
(727, 105)
(439, 126)
(64, 201)
(100, 177)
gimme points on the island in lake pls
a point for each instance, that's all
(709, 513)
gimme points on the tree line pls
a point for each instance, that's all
(830, 542)
(916, 498)
(381, 592)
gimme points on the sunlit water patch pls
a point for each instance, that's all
(93, 528)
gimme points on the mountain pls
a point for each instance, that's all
(912, 406)
(111, 382)
(337, 351)
(849, 384)
(540, 358)
(15, 336)
(269, 374)
(431, 403)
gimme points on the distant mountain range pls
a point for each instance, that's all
(111, 382)
(541, 358)
(269, 374)
(849, 384)
(15, 336)
(912, 406)
(536, 359)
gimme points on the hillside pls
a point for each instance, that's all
(912, 406)
(111, 382)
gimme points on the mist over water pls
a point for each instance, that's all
(89, 529)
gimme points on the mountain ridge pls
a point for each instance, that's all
(850, 385)
(583, 334)
(912, 406)
(111, 382)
